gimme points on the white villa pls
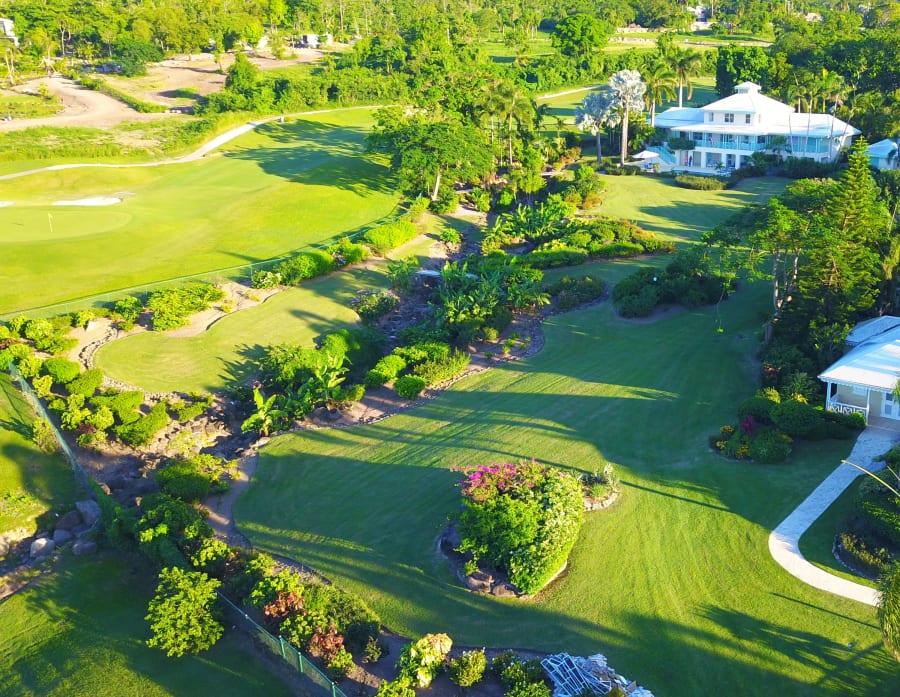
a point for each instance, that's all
(727, 132)
(7, 31)
(885, 154)
(865, 378)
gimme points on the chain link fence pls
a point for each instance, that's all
(84, 479)
(321, 685)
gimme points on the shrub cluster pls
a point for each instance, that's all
(172, 306)
(522, 518)
(769, 422)
(570, 292)
(694, 181)
(687, 280)
(384, 238)
(141, 431)
(520, 678)
(414, 367)
(371, 305)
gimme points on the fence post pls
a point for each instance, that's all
(281, 646)
(300, 662)
(333, 690)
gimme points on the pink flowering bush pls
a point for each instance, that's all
(522, 518)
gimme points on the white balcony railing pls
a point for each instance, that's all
(842, 408)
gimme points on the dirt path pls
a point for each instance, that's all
(81, 107)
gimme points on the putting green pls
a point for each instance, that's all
(278, 188)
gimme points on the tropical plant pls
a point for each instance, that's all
(627, 91)
(594, 114)
(421, 661)
(266, 417)
(686, 64)
(660, 80)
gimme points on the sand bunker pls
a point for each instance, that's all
(3, 204)
(95, 201)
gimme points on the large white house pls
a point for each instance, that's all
(7, 31)
(727, 132)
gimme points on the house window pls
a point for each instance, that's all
(747, 118)
(710, 116)
(729, 118)
(859, 390)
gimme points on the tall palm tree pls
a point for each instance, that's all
(686, 64)
(512, 105)
(627, 91)
(660, 81)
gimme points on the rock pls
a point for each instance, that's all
(90, 511)
(41, 547)
(4, 546)
(106, 490)
(82, 547)
(70, 520)
(61, 536)
(504, 590)
(480, 581)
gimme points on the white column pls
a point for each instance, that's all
(828, 396)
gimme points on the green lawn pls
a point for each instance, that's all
(32, 484)
(80, 631)
(674, 584)
(222, 355)
(281, 187)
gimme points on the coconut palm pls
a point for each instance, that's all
(511, 104)
(889, 610)
(686, 64)
(627, 90)
(660, 80)
(594, 113)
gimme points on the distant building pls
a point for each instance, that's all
(315, 40)
(727, 132)
(885, 154)
(6, 30)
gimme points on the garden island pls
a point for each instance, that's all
(377, 348)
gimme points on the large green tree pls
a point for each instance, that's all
(580, 35)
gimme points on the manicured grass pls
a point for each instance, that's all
(222, 355)
(656, 204)
(32, 484)
(28, 106)
(816, 543)
(80, 631)
(674, 584)
(281, 187)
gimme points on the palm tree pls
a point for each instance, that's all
(686, 64)
(889, 609)
(627, 90)
(512, 105)
(660, 80)
(595, 112)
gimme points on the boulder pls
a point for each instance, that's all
(504, 590)
(70, 520)
(82, 547)
(61, 536)
(41, 547)
(90, 511)
(480, 581)
(4, 546)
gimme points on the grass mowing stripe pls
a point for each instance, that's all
(675, 583)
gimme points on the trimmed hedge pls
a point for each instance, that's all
(62, 370)
(386, 370)
(141, 431)
(409, 386)
(384, 238)
(691, 181)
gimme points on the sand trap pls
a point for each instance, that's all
(95, 201)
(3, 204)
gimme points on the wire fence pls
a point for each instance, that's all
(239, 272)
(322, 685)
(84, 479)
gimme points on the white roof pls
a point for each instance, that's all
(874, 364)
(747, 100)
(819, 125)
(883, 148)
(871, 328)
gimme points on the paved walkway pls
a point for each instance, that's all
(784, 540)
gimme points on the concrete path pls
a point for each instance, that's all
(784, 540)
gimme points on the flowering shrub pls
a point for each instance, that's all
(522, 518)
(422, 660)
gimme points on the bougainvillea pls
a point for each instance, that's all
(522, 518)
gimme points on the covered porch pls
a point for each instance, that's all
(879, 407)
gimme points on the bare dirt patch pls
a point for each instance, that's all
(81, 107)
